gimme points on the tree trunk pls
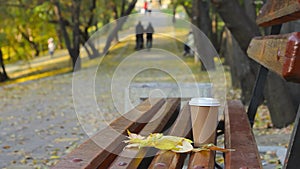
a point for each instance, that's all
(33, 45)
(187, 10)
(250, 9)
(237, 21)
(73, 50)
(294, 90)
(231, 51)
(60, 39)
(281, 107)
(116, 17)
(3, 74)
(120, 22)
(174, 12)
(215, 34)
(201, 19)
(87, 44)
(205, 20)
(76, 35)
(95, 52)
(85, 34)
(123, 7)
(244, 29)
(62, 25)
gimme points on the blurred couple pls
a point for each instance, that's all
(139, 31)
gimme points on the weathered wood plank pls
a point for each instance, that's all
(182, 128)
(293, 153)
(203, 159)
(131, 158)
(101, 147)
(239, 136)
(279, 53)
(278, 11)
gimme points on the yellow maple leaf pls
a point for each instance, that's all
(172, 143)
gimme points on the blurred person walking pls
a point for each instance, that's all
(145, 6)
(189, 44)
(51, 46)
(139, 30)
(149, 8)
(149, 35)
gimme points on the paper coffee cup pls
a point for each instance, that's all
(204, 116)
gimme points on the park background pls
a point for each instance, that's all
(37, 117)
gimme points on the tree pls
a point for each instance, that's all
(71, 22)
(86, 20)
(244, 29)
(90, 16)
(201, 19)
(187, 5)
(233, 55)
(74, 44)
(89, 20)
(24, 27)
(119, 23)
(3, 75)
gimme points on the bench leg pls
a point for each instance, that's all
(257, 94)
(258, 89)
(293, 153)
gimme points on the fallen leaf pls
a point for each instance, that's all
(6, 147)
(23, 161)
(58, 140)
(173, 143)
(54, 157)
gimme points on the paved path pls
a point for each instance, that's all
(37, 121)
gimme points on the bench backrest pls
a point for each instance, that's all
(279, 53)
(278, 11)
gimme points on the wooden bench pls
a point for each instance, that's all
(281, 54)
(106, 149)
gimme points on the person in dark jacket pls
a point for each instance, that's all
(149, 35)
(139, 30)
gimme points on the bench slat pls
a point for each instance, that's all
(203, 159)
(131, 158)
(182, 128)
(91, 155)
(278, 11)
(239, 136)
(279, 53)
(293, 152)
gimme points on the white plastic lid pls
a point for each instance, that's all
(203, 101)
